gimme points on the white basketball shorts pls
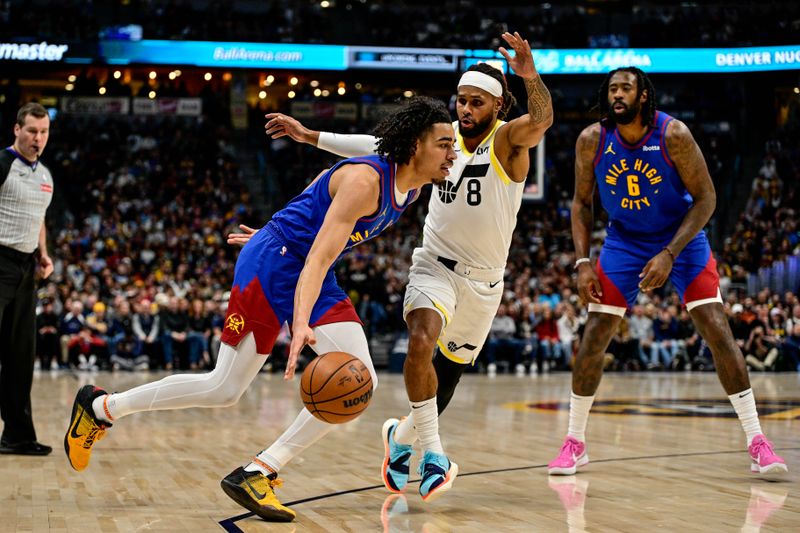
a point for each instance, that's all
(467, 306)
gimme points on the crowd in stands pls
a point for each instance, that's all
(141, 264)
(462, 24)
(767, 229)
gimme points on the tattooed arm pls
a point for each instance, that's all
(515, 138)
(692, 169)
(691, 166)
(527, 131)
(582, 215)
(540, 105)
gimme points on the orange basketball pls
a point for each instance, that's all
(336, 387)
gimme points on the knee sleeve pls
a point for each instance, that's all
(448, 373)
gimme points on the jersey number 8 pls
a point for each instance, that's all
(448, 191)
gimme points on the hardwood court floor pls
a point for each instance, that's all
(650, 470)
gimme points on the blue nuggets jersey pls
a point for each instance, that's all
(640, 188)
(646, 202)
(269, 265)
(301, 219)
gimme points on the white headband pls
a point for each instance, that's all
(483, 81)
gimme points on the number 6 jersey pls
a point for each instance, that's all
(640, 188)
(472, 216)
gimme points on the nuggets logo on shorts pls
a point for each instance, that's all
(235, 323)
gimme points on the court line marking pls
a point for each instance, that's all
(229, 524)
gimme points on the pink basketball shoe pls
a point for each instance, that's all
(570, 457)
(764, 459)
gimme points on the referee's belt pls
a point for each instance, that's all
(489, 275)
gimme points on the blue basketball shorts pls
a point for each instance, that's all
(694, 273)
(262, 297)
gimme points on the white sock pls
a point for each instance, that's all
(744, 403)
(100, 409)
(425, 416)
(406, 433)
(579, 407)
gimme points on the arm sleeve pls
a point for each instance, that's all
(347, 145)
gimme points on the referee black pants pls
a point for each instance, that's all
(17, 344)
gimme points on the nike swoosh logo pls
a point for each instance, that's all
(493, 285)
(258, 495)
(745, 394)
(417, 406)
(73, 429)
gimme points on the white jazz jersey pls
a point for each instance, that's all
(472, 216)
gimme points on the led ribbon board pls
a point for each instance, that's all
(548, 61)
(225, 54)
(655, 60)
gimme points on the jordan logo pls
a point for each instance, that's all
(610, 149)
(235, 323)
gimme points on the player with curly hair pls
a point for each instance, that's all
(653, 182)
(286, 273)
(456, 279)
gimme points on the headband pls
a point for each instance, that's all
(482, 81)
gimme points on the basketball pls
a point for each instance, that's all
(336, 387)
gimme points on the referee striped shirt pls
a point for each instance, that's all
(26, 190)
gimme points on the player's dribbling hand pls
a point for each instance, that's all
(522, 62)
(655, 272)
(279, 125)
(242, 238)
(589, 288)
(301, 335)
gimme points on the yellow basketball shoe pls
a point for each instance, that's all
(84, 428)
(255, 492)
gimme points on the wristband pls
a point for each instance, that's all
(580, 261)
(666, 248)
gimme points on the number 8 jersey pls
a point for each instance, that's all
(471, 217)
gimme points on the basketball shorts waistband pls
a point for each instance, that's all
(489, 275)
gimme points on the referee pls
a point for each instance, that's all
(26, 189)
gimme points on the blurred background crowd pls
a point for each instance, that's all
(144, 203)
